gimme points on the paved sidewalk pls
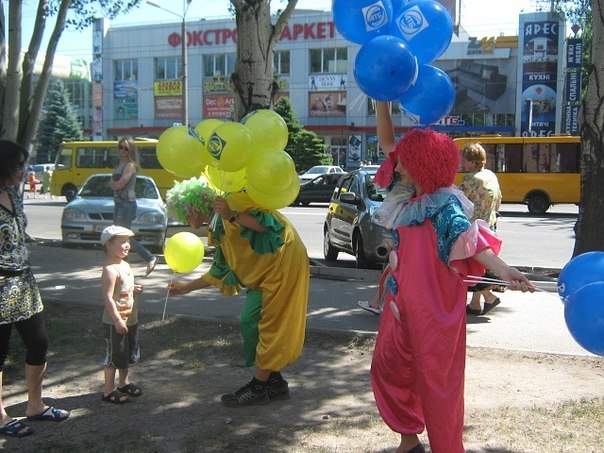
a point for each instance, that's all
(531, 322)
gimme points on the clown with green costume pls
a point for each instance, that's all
(260, 250)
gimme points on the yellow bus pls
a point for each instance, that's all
(536, 171)
(76, 161)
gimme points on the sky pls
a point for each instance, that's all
(479, 17)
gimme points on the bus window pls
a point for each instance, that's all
(96, 158)
(567, 157)
(512, 157)
(148, 157)
(63, 160)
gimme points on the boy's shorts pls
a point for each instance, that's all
(121, 350)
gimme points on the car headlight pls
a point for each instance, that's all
(73, 214)
(151, 217)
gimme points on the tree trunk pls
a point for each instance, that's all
(590, 227)
(253, 81)
(10, 104)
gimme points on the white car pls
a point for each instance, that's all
(317, 170)
(87, 215)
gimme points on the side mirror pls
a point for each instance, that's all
(70, 195)
(348, 197)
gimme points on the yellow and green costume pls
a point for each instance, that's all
(273, 266)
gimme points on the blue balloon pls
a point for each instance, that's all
(580, 271)
(426, 26)
(360, 21)
(431, 97)
(397, 5)
(584, 316)
(385, 68)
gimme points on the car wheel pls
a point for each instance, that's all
(359, 253)
(330, 253)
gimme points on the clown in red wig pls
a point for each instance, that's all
(417, 373)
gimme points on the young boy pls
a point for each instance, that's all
(120, 317)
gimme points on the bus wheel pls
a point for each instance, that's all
(538, 204)
(69, 191)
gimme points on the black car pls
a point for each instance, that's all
(318, 190)
(349, 227)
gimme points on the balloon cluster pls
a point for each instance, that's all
(234, 156)
(581, 287)
(398, 41)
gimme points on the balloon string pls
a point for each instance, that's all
(163, 316)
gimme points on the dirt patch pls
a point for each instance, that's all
(515, 402)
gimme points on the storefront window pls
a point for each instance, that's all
(330, 60)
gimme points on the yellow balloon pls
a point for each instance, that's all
(268, 129)
(180, 151)
(271, 172)
(206, 127)
(229, 146)
(226, 181)
(184, 252)
(274, 200)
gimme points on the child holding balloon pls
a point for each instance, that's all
(120, 317)
(417, 372)
(260, 250)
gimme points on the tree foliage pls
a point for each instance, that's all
(59, 123)
(305, 148)
(22, 95)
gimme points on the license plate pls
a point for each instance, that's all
(99, 228)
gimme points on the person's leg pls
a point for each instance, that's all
(116, 357)
(5, 331)
(475, 301)
(123, 215)
(248, 325)
(34, 336)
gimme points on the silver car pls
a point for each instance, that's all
(348, 227)
(85, 217)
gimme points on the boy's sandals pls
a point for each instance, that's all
(16, 428)
(115, 398)
(488, 307)
(131, 390)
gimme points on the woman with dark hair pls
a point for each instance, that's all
(123, 183)
(20, 302)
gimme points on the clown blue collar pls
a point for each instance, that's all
(416, 210)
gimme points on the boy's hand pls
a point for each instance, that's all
(121, 327)
(138, 288)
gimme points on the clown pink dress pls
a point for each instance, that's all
(417, 372)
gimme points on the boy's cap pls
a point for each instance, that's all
(114, 230)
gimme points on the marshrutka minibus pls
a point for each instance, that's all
(78, 160)
(536, 171)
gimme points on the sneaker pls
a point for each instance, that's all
(364, 304)
(248, 395)
(278, 389)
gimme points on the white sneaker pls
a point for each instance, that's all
(364, 304)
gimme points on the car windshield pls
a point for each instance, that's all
(98, 186)
(317, 170)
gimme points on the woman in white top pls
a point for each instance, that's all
(123, 183)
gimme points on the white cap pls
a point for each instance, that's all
(114, 230)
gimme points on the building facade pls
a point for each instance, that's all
(137, 80)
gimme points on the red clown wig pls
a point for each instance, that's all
(432, 159)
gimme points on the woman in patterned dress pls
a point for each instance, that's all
(20, 302)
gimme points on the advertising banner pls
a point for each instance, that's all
(539, 69)
(327, 104)
(125, 100)
(218, 106)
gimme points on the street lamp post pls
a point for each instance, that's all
(183, 56)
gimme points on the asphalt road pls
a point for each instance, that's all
(528, 241)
